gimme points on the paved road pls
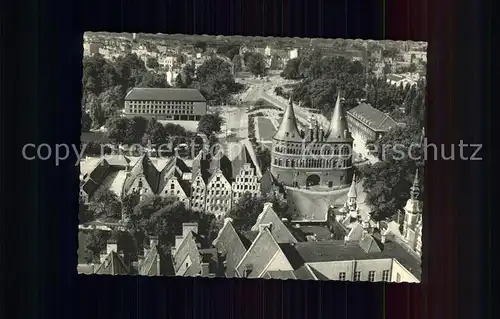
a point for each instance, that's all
(266, 128)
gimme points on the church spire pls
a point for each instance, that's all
(415, 190)
(352, 191)
(338, 123)
(288, 130)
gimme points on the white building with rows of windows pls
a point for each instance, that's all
(165, 104)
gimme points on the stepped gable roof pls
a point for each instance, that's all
(376, 120)
(112, 265)
(232, 246)
(338, 123)
(164, 94)
(288, 130)
(280, 232)
(95, 177)
(145, 167)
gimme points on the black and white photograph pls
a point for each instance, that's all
(252, 157)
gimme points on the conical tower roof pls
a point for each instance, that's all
(352, 191)
(338, 123)
(288, 130)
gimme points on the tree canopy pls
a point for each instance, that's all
(256, 64)
(152, 63)
(387, 183)
(248, 208)
(210, 123)
(215, 81)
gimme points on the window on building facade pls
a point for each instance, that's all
(357, 276)
(342, 276)
(371, 275)
(385, 275)
(398, 278)
(172, 186)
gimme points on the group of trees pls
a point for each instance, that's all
(155, 215)
(323, 77)
(106, 204)
(210, 124)
(105, 84)
(213, 79)
(387, 183)
(139, 130)
(255, 63)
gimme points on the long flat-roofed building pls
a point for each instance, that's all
(166, 104)
(366, 123)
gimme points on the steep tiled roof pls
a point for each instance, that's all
(93, 179)
(187, 248)
(198, 250)
(280, 274)
(288, 130)
(144, 167)
(112, 265)
(164, 94)
(251, 152)
(373, 118)
(309, 205)
(149, 267)
(280, 232)
(229, 244)
(338, 123)
(260, 253)
(305, 273)
(117, 160)
(222, 162)
(240, 160)
(369, 244)
(200, 164)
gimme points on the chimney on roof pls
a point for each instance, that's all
(153, 241)
(205, 269)
(228, 220)
(111, 245)
(103, 256)
(178, 241)
(263, 227)
(188, 227)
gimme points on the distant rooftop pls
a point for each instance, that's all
(373, 118)
(164, 94)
